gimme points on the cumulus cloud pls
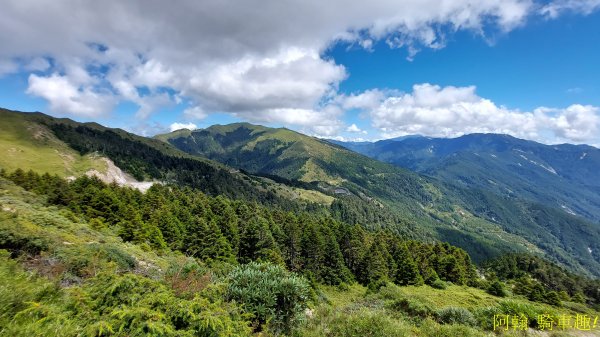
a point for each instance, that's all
(66, 97)
(436, 111)
(254, 59)
(260, 61)
(353, 128)
(179, 126)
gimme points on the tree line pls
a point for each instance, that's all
(217, 229)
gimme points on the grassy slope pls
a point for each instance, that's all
(355, 306)
(27, 144)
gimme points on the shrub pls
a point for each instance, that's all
(553, 298)
(17, 241)
(271, 294)
(374, 286)
(412, 307)
(455, 315)
(497, 289)
(439, 284)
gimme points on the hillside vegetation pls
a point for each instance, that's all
(563, 176)
(25, 143)
(75, 266)
(485, 223)
(212, 250)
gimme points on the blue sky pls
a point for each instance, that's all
(520, 67)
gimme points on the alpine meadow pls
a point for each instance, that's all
(300, 169)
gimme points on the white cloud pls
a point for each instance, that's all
(66, 97)
(224, 56)
(557, 7)
(353, 128)
(289, 79)
(260, 61)
(179, 126)
(194, 113)
(431, 110)
(365, 100)
(577, 123)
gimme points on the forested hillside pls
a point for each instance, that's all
(561, 176)
(483, 222)
(212, 250)
(86, 258)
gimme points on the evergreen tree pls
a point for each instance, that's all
(291, 248)
(172, 229)
(407, 271)
(257, 243)
(376, 263)
(333, 271)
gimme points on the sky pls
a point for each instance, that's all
(335, 69)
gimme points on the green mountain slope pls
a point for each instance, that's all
(560, 176)
(26, 143)
(483, 223)
(352, 187)
(70, 149)
(65, 272)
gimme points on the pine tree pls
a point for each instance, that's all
(257, 243)
(213, 245)
(291, 248)
(171, 228)
(333, 271)
(227, 221)
(376, 263)
(407, 272)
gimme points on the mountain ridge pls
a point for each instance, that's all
(564, 175)
(352, 187)
(434, 204)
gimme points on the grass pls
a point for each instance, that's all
(426, 311)
(24, 143)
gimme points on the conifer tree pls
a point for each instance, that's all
(257, 243)
(407, 271)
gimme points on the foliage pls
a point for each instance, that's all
(455, 315)
(543, 281)
(219, 230)
(438, 284)
(496, 288)
(271, 294)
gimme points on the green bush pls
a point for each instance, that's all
(18, 241)
(412, 307)
(274, 296)
(439, 284)
(497, 289)
(455, 315)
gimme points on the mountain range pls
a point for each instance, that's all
(562, 176)
(285, 169)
